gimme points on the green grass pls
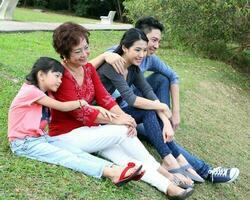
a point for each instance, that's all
(215, 107)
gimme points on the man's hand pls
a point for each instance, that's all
(175, 120)
(116, 61)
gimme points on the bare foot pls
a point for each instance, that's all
(181, 177)
(182, 162)
(184, 179)
(174, 190)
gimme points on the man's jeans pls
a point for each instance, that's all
(161, 87)
(52, 150)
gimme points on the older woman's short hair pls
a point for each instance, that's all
(68, 35)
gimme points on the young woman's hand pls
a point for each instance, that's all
(105, 113)
(116, 61)
(166, 110)
(167, 132)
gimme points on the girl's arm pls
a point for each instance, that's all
(62, 106)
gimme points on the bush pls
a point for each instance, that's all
(207, 26)
(93, 8)
(58, 4)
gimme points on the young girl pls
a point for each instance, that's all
(29, 114)
(147, 109)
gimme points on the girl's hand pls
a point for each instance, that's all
(83, 102)
(105, 113)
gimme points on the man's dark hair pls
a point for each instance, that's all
(146, 24)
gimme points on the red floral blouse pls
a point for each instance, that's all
(91, 90)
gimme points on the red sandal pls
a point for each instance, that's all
(123, 180)
(139, 176)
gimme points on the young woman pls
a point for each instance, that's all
(29, 114)
(116, 140)
(147, 109)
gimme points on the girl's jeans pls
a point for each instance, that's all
(53, 150)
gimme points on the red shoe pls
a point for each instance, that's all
(139, 176)
(123, 180)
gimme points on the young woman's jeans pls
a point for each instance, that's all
(153, 130)
(161, 87)
(53, 150)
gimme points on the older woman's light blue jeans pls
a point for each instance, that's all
(53, 150)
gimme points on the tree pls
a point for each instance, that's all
(219, 29)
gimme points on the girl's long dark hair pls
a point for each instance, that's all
(43, 64)
(129, 38)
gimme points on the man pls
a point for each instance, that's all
(164, 82)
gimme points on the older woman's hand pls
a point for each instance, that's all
(132, 132)
(125, 119)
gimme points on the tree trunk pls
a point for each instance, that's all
(69, 5)
(118, 9)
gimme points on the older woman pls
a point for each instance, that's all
(81, 128)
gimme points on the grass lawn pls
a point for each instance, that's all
(215, 114)
(215, 107)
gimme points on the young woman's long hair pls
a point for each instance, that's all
(129, 38)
